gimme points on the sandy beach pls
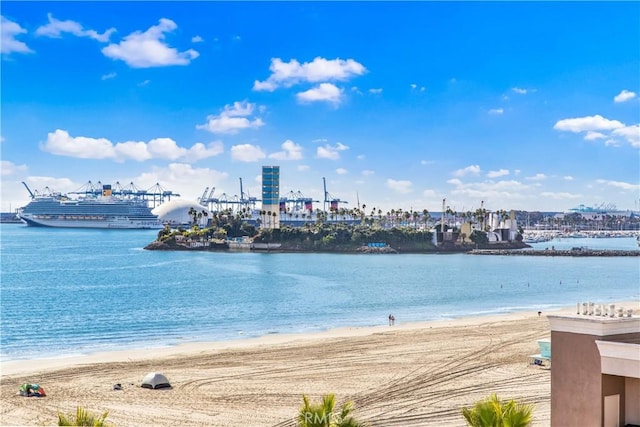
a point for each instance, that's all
(404, 375)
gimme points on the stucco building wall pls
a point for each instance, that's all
(578, 385)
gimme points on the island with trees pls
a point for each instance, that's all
(368, 234)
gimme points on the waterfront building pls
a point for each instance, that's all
(595, 375)
(270, 197)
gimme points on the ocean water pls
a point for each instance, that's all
(70, 292)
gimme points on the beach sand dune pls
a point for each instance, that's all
(404, 375)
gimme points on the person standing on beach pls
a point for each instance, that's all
(392, 320)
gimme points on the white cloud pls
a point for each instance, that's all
(303, 168)
(560, 195)
(375, 91)
(247, 153)
(630, 133)
(367, 172)
(330, 152)
(290, 151)
(620, 184)
(232, 119)
(287, 74)
(537, 177)
(473, 169)
(61, 143)
(108, 76)
(431, 194)
(496, 111)
(592, 124)
(498, 190)
(325, 92)
(589, 123)
(519, 90)
(62, 185)
(148, 49)
(342, 171)
(56, 28)
(427, 162)
(9, 43)
(623, 96)
(180, 178)
(196, 39)
(568, 178)
(592, 135)
(166, 148)
(399, 186)
(612, 143)
(8, 168)
(495, 174)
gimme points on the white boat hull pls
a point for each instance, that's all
(106, 223)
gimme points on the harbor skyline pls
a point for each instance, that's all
(527, 106)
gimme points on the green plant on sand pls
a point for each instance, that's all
(322, 414)
(492, 412)
(83, 418)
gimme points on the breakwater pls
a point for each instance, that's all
(579, 252)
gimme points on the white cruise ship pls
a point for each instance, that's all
(93, 211)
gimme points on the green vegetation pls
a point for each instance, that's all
(339, 230)
(492, 412)
(323, 414)
(83, 418)
(222, 225)
(320, 235)
(346, 237)
(479, 237)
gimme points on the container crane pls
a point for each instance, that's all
(330, 200)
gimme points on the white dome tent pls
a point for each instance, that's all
(155, 380)
(176, 212)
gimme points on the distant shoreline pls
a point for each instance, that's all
(576, 252)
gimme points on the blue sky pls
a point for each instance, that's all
(529, 106)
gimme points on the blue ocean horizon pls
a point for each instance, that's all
(69, 292)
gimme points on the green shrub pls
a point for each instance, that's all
(83, 418)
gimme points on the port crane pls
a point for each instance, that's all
(224, 201)
(330, 201)
(154, 195)
(296, 202)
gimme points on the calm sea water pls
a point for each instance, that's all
(69, 292)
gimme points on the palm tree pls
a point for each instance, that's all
(426, 216)
(492, 412)
(194, 214)
(322, 414)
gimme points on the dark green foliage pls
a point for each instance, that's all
(479, 237)
(337, 236)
